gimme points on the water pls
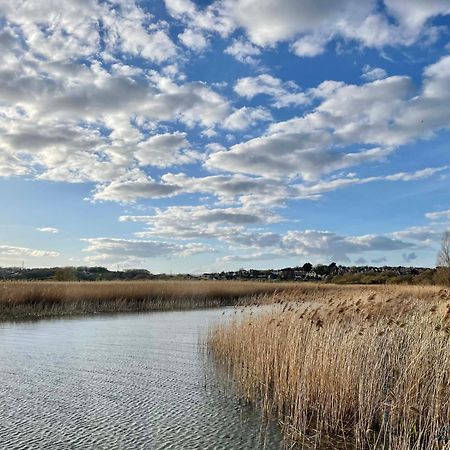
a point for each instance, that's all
(128, 381)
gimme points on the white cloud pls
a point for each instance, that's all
(314, 190)
(165, 150)
(282, 94)
(211, 18)
(50, 230)
(136, 251)
(322, 245)
(193, 39)
(310, 45)
(376, 117)
(373, 73)
(426, 235)
(309, 25)
(415, 13)
(68, 29)
(243, 51)
(281, 155)
(245, 117)
(132, 186)
(8, 251)
(196, 222)
(86, 125)
(251, 192)
(438, 215)
(339, 247)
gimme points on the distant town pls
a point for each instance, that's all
(306, 272)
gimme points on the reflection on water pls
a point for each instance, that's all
(133, 381)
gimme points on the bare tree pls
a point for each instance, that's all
(444, 253)
(443, 261)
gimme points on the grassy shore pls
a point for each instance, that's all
(42, 299)
(346, 366)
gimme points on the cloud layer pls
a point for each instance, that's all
(122, 99)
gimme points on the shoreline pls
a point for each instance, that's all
(40, 300)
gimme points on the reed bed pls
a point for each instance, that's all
(346, 367)
(38, 299)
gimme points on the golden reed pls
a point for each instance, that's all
(346, 366)
(37, 299)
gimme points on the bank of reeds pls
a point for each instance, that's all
(347, 367)
(41, 299)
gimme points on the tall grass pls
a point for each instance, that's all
(35, 299)
(347, 367)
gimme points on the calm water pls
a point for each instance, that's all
(134, 381)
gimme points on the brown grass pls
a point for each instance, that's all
(36, 299)
(347, 367)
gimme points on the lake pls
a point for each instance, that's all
(125, 381)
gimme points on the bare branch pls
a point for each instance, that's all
(444, 253)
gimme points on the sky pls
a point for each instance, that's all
(190, 137)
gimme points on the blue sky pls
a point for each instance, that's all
(195, 136)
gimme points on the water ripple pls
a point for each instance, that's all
(132, 381)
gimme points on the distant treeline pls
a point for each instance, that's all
(307, 272)
(334, 273)
(74, 274)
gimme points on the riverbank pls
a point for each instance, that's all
(20, 300)
(346, 366)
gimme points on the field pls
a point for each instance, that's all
(43, 299)
(346, 366)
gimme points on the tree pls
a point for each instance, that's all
(65, 274)
(443, 261)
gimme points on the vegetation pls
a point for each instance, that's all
(346, 366)
(36, 299)
(331, 273)
(443, 261)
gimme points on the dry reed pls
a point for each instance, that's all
(348, 366)
(36, 299)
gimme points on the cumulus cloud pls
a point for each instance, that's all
(50, 230)
(248, 191)
(165, 150)
(193, 40)
(325, 245)
(373, 73)
(377, 117)
(426, 234)
(8, 251)
(63, 119)
(132, 186)
(243, 51)
(62, 134)
(112, 250)
(189, 222)
(67, 29)
(282, 94)
(245, 117)
(310, 45)
(338, 247)
(310, 25)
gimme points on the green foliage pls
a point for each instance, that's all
(65, 274)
